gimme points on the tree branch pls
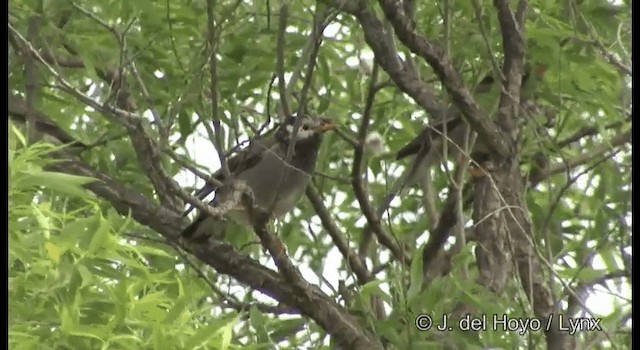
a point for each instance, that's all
(213, 72)
(584, 158)
(379, 42)
(32, 90)
(310, 300)
(17, 109)
(280, 45)
(586, 131)
(354, 262)
(146, 151)
(513, 68)
(487, 131)
(359, 189)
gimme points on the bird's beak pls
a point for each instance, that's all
(326, 125)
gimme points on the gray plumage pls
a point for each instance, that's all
(428, 145)
(276, 185)
(427, 150)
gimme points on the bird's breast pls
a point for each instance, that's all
(278, 186)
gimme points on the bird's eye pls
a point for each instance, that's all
(305, 127)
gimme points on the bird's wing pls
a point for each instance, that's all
(415, 145)
(237, 163)
(424, 140)
(250, 156)
(485, 84)
(454, 119)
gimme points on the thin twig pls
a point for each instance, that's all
(213, 72)
(611, 58)
(31, 77)
(132, 121)
(97, 19)
(174, 49)
(359, 189)
(280, 46)
(268, 108)
(595, 152)
(340, 179)
(316, 37)
(446, 18)
(477, 10)
(162, 129)
(586, 131)
(354, 262)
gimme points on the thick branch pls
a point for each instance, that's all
(18, 111)
(405, 30)
(512, 68)
(382, 47)
(146, 151)
(221, 256)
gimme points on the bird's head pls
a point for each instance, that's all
(310, 128)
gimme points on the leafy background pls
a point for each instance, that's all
(83, 276)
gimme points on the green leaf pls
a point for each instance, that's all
(204, 334)
(54, 251)
(227, 333)
(259, 323)
(153, 251)
(95, 332)
(416, 275)
(589, 274)
(43, 221)
(609, 259)
(177, 309)
(64, 183)
(373, 289)
(19, 135)
(184, 125)
(101, 236)
(286, 329)
(86, 275)
(75, 232)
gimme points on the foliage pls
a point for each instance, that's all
(84, 276)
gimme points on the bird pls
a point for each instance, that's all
(426, 149)
(427, 146)
(275, 184)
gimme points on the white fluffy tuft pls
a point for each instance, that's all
(302, 133)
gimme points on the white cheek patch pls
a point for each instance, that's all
(302, 134)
